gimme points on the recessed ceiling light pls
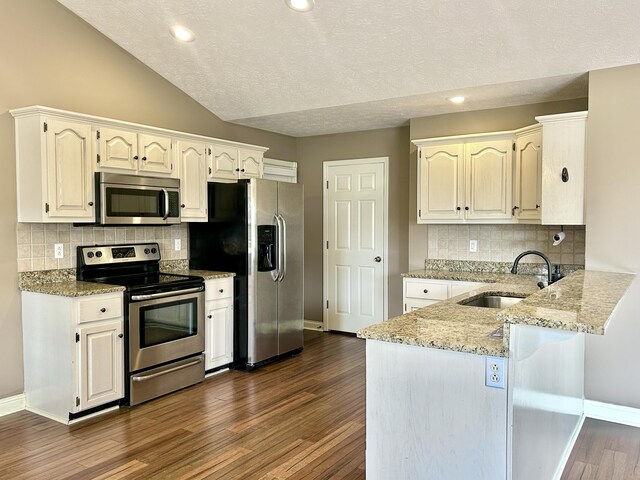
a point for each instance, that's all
(182, 33)
(457, 99)
(300, 5)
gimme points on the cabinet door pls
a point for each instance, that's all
(69, 182)
(528, 178)
(488, 167)
(218, 344)
(155, 154)
(193, 181)
(250, 162)
(224, 162)
(117, 149)
(101, 354)
(440, 183)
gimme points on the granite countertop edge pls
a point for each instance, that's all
(584, 302)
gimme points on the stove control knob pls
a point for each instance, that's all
(154, 250)
(98, 254)
(90, 255)
(146, 251)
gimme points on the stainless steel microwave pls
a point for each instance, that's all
(133, 200)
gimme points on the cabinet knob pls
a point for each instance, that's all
(135, 157)
(426, 291)
(144, 159)
(466, 208)
(91, 204)
(237, 169)
(120, 335)
(221, 290)
(537, 206)
(209, 316)
(103, 309)
(242, 170)
(458, 208)
(182, 205)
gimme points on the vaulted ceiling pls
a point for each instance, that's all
(361, 64)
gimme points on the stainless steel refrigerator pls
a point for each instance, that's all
(255, 229)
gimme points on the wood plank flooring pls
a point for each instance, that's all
(302, 418)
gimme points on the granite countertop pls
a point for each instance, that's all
(71, 288)
(481, 277)
(581, 302)
(62, 282)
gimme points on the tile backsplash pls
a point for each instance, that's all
(502, 243)
(36, 242)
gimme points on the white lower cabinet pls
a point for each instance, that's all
(218, 344)
(418, 292)
(73, 353)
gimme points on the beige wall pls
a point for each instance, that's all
(613, 228)
(479, 121)
(49, 56)
(312, 152)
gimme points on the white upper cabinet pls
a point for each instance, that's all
(192, 157)
(563, 154)
(527, 200)
(279, 170)
(488, 170)
(229, 162)
(54, 177)
(129, 152)
(441, 182)
(465, 179)
(58, 152)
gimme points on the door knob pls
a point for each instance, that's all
(378, 259)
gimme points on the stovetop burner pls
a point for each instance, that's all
(134, 266)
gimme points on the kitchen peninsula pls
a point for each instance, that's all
(450, 395)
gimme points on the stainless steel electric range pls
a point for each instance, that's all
(164, 317)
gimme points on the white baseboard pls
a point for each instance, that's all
(612, 413)
(313, 325)
(12, 404)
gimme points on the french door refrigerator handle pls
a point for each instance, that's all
(284, 247)
(278, 272)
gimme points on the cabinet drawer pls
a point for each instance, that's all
(427, 290)
(218, 289)
(413, 305)
(99, 308)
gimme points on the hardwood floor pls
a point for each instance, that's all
(302, 418)
(605, 451)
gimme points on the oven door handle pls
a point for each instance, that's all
(166, 204)
(175, 293)
(143, 378)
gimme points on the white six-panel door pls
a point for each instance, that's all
(355, 237)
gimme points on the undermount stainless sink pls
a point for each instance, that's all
(491, 301)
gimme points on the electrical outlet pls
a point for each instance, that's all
(178, 245)
(473, 246)
(58, 250)
(495, 372)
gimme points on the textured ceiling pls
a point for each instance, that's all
(361, 64)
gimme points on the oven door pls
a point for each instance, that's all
(165, 326)
(138, 204)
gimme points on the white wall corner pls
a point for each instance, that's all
(12, 404)
(612, 413)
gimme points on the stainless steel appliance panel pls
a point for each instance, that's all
(144, 354)
(165, 379)
(290, 287)
(263, 293)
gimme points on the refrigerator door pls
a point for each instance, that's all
(262, 287)
(290, 287)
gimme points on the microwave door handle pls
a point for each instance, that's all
(166, 204)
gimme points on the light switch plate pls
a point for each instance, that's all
(178, 245)
(473, 246)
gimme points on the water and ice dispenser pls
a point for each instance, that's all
(266, 248)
